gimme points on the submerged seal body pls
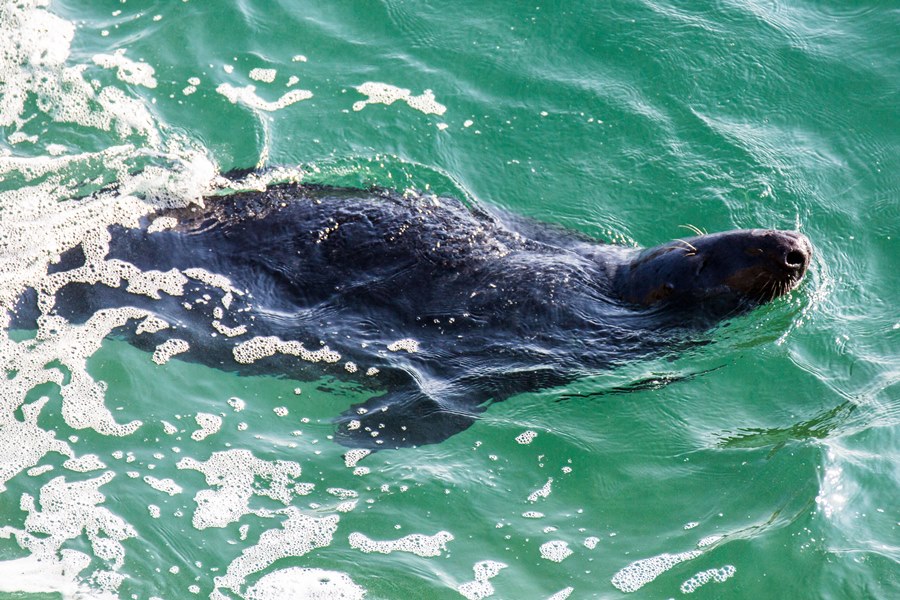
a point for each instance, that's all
(438, 308)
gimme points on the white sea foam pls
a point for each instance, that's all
(64, 511)
(416, 543)
(236, 475)
(263, 347)
(542, 492)
(208, 423)
(641, 572)
(562, 594)
(34, 50)
(23, 443)
(556, 550)
(383, 93)
(166, 485)
(526, 437)
(168, 349)
(84, 464)
(406, 344)
(481, 587)
(704, 577)
(129, 71)
(298, 535)
(247, 96)
(264, 75)
(298, 583)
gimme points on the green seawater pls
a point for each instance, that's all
(768, 468)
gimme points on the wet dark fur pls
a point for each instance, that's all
(497, 307)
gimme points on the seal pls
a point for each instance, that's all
(436, 307)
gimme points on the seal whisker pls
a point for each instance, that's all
(693, 228)
(692, 250)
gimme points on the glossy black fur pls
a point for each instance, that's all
(496, 307)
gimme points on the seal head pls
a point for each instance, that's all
(704, 279)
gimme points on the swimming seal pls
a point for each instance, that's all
(438, 308)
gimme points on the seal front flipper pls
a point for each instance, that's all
(403, 418)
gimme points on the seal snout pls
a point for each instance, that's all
(793, 253)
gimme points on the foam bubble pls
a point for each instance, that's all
(263, 347)
(23, 443)
(247, 96)
(31, 575)
(298, 535)
(161, 224)
(481, 587)
(208, 423)
(562, 594)
(67, 511)
(211, 279)
(168, 349)
(383, 93)
(84, 464)
(127, 70)
(416, 543)
(704, 577)
(342, 493)
(18, 137)
(264, 75)
(407, 344)
(236, 474)
(641, 572)
(543, 492)
(298, 583)
(166, 485)
(151, 324)
(34, 49)
(229, 331)
(526, 437)
(38, 471)
(709, 540)
(556, 550)
(354, 456)
(67, 345)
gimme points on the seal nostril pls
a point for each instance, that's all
(795, 259)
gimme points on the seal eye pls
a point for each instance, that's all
(753, 251)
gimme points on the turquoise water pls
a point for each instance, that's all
(771, 471)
